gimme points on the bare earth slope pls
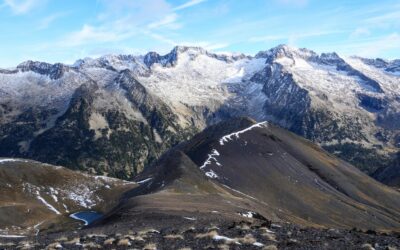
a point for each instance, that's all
(261, 168)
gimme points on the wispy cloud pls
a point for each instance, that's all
(296, 3)
(95, 35)
(267, 38)
(292, 37)
(204, 44)
(169, 21)
(136, 17)
(373, 46)
(189, 4)
(360, 32)
(384, 21)
(387, 17)
(377, 46)
(22, 6)
(133, 17)
(48, 20)
(160, 38)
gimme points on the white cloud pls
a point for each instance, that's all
(22, 6)
(377, 46)
(360, 32)
(121, 20)
(189, 4)
(169, 21)
(92, 35)
(385, 18)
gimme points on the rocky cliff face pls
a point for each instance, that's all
(117, 113)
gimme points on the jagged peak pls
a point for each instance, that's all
(54, 71)
(284, 50)
(171, 58)
(29, 64)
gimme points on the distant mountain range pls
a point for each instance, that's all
(116, 114)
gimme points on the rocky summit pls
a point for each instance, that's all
(117, 114)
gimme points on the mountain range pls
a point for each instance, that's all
(117, 114)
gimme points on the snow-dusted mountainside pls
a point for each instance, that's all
(117, 113)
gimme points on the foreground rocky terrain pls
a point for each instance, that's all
(244, 234)
(116, 114)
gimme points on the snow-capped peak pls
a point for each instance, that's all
(285, 51)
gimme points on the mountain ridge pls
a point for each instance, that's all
(346, 104)
(260, 168)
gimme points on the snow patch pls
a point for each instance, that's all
(258, 244)
(189, 218)
(157, 136)
(211, 174)
(11, 236)
(231, 136)
(53, 194)
(248, 214)
(83, 196)
(46, 203)
(211, 156)
(11, 160)
(144, 181)
(224, 238)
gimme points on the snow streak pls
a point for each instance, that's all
(231, 136)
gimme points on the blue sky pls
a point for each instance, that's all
(66, 30)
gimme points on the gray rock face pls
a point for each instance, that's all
(54, 71)
(96, 133)
(117, 113)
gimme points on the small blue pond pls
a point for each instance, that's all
(86, 216)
